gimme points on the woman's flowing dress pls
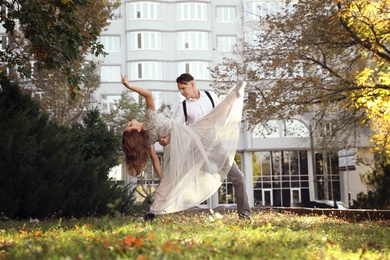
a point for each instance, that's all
(199, 156)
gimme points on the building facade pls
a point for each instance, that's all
(153, 42)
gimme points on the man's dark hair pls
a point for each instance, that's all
(184, 78)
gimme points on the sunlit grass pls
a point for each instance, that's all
(196, 235)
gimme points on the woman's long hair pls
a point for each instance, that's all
(136, 147)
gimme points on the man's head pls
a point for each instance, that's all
(185, 78)
(187, 86)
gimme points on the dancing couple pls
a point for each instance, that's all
(199, 147)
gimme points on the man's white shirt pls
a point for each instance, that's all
(196, 108)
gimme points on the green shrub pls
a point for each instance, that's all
(50, 170)
(377, 181)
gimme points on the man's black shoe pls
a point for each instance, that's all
(149, 216)
(244, 215)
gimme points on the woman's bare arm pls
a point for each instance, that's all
(155, 161)
(143, 92)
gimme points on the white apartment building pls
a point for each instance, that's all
(153, 42)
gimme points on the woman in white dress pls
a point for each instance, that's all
(198, 157)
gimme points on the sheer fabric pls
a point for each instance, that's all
(200, 156)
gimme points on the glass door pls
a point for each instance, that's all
(267, 197)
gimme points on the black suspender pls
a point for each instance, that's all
(211, 99)
(185, 106)
(185, 110)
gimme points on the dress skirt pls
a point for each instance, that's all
(199, 156)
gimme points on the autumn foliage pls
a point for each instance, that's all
(328, 60)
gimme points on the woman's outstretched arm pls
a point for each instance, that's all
(143, 92)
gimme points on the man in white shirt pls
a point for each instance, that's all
(196, 106)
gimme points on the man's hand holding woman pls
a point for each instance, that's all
(164, 140)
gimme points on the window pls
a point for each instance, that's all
(145, 41)
(158, 97)
(145, 11)
(270, 130)
(147, 182)
(280, 172)
(326, 128)
(226, 191)
(198, 69)
(252, 11)
(295, 128)
(226, 43)
(111, 43)
(266, 70)
(278, 129)
(252, 38)
(193, 41)
(256, 40)
(261, 168)
(110, 73)
(327, 176)
(295, 195)
(347, 159)
(226, 14)
(108, 102)
(268, 8)
(146, 70)
(116, 12)
(230, 73)
(260, 9)
(256, 10)
(192, 11)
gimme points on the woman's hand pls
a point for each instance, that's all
(143, 92)
(124, 81)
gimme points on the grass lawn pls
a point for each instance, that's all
(196, 235)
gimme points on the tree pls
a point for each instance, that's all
(329, 58)
(55, 99)
(123, 110)
(377, 182)
(57, 34)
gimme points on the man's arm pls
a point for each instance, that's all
(165, 140)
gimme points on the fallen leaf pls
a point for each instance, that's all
(139, 242)
(129, 240)
(151, 236)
